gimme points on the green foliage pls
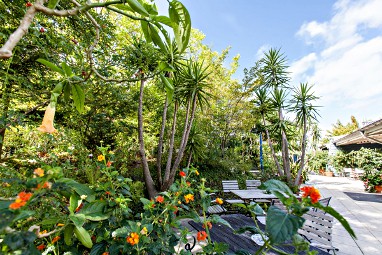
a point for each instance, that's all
(318, 160)
(341, 129)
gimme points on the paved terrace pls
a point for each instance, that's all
(363, 212)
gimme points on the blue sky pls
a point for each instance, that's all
(335, 45)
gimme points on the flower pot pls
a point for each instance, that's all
(378, 189)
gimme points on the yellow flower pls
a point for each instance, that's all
(219, 201)
(43, 232)
(196, 172)
(179, 202)
(39, 172)
(144, 231)
(101, 157)
(188, 198)
(111, 152)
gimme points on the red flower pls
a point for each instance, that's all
(108, 164)
(41, 247)
(159, 199)
(25, 196)
(28, 4)
(201, 236)
(42, 30)
(182, 174)
(311, 192)
(79, 207)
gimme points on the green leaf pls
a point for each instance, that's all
(78, 97)
(50, 222)
(276, 185)
(251, 229)
(98, 248)
(81, 189)
(145, 30)
(181, 24)
(83, 236)
(168, 86)
(137, 7)
(156, 38)
(51, 66)
(217, 219)
(163, 19)
(78, 219)
(67, 70)
(281, 226)
(123, 7)
(220, 248)
(68, 234)
(164, 66)
(67, 90)
(120, 232)
(55, 94)
(53, 3)
(94, 211)
(24, 215)
(73, 202)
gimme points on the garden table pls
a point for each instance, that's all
(253, 194)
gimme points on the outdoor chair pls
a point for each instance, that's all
(252, 184)
(215, 208)
(229, 185)
(317, 229)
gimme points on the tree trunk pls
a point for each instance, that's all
(285, 151)
(272, 149)
(171, 147)
(184, 143)
(6, 99)
(160, 143)
(150, 186)
(303, 148)
(189, 160)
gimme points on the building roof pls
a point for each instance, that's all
(370, 134)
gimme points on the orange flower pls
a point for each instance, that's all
(219, 201)
(55, 239)
(208, 224)
(39, 172)
(41, 247)
(182, 174)
(25, 196)
(159, 199)
(60, 224)
(201, 236)
(21, 200)
(105, 253)
(107, 193)
(46, 185)
(133, 238)
(108, 164)
(188, 198)
(188, 184)
(311, 192)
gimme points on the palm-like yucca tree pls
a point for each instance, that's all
(306, 112)
(275, 77)
(191, 91)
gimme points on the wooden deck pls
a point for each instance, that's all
(221, 233)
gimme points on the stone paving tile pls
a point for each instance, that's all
(364, 217)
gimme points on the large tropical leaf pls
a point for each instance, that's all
(281, 226)
(51, 66)
(78, 97)
(95, 211)
(181, 24)
(137, 7)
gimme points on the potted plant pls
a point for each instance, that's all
(372, 180)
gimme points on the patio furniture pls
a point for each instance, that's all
(252, 184)
(317, 229)
(228, 187)
(239, 242)
(256, 195)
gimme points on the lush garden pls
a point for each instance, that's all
(118, 122)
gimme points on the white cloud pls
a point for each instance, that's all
(347, 65)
